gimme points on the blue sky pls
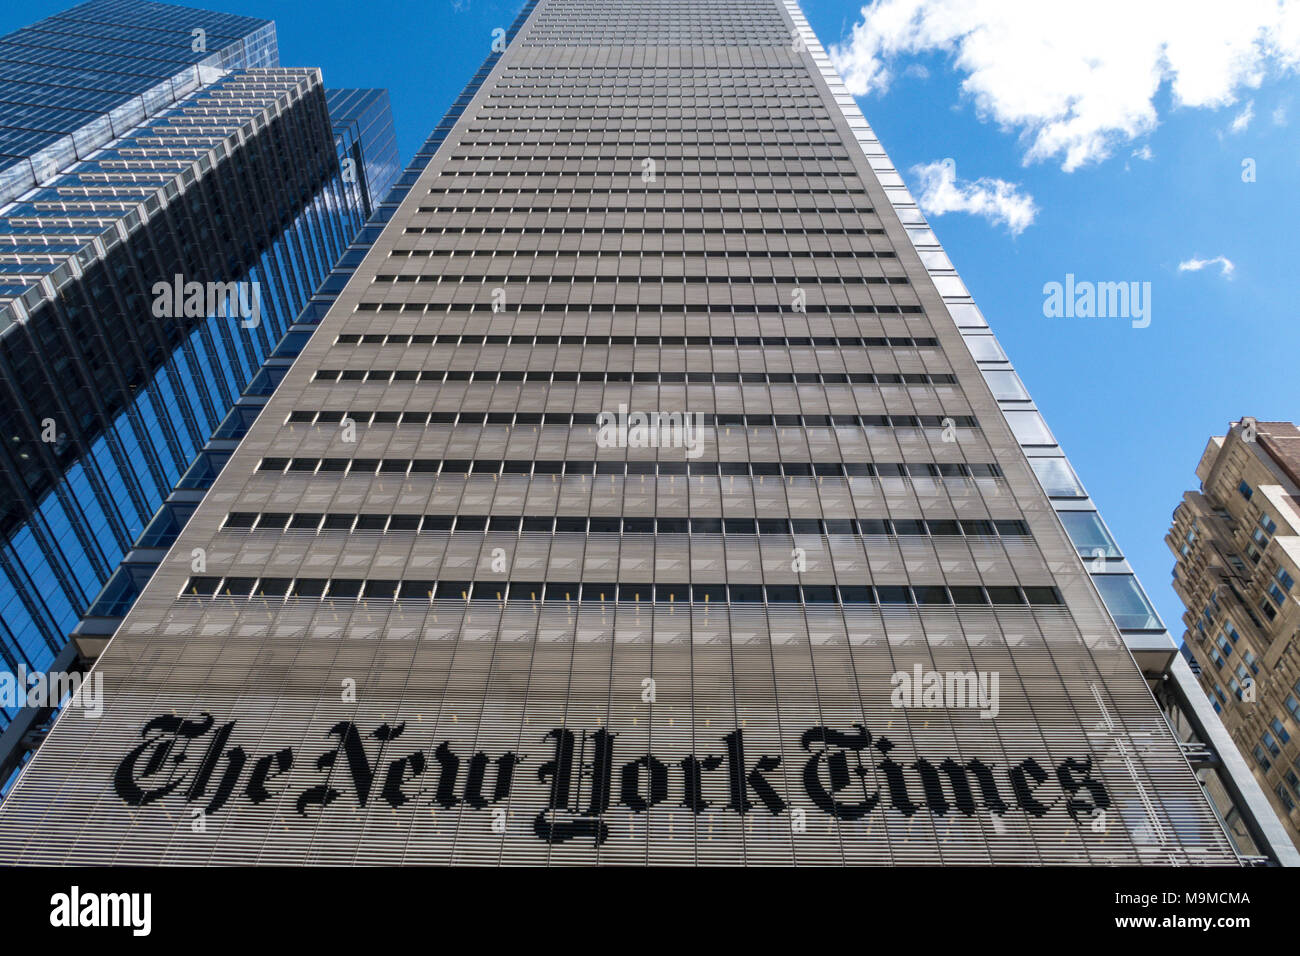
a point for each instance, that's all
(1133, 408)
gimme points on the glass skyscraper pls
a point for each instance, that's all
(654, 492)
(148, 147)
(76, 81)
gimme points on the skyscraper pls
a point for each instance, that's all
(1236, 543)
(653, 493)
(147, 150)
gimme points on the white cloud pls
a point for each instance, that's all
(1144, 153)
(1242, 119)
(1226, 266)
(998, 201)
(1079, 77)
(1279, 115)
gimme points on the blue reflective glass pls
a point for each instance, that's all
(122, 57)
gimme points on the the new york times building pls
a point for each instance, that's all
(642, 499)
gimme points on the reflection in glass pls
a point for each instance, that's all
(1126, 602)
(1089, 534)
(985, 348)
(1029, 428)
(1006, 386)
(1057, 478)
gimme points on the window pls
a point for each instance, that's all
(1279, 589)
(1057, 477)
(1260, 537)
(1006, 385)
(1261, 758)
(1126, 602)
(1279, 728)
(1089, 535)
(1029, 428)
(1285, 798)
(1270, 744)
(1283, 579)
(1245, 490)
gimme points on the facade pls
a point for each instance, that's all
(74, 82)
(1237, 547)
(154, 169)
(654, 492)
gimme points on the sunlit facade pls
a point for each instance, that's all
(654, 492)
